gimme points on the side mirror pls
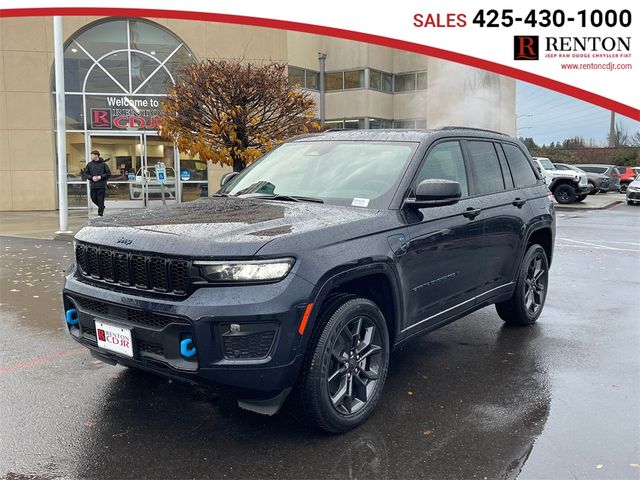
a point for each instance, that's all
(225, 178)
(435, 192)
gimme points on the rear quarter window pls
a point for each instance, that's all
(521, 170)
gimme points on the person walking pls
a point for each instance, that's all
(97, 172)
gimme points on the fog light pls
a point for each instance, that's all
(234, 327)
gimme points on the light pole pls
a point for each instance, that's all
(321, 58)
(521, 128)
(63, 211)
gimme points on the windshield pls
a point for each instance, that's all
(362, 174)
(546, 164)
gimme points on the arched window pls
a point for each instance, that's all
(129, 59)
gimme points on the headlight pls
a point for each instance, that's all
(249, 271)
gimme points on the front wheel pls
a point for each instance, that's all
(525, 305)
(346, 366)
(565, 194)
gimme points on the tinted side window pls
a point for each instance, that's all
(445, 161)
(486, 168)
(521, 170)
(594, 169)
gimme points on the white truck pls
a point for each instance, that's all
(567, 186)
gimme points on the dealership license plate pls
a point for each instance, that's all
(115, 339)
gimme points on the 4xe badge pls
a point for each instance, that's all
(525, 47)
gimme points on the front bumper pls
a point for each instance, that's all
(633, 196)
(259, 353)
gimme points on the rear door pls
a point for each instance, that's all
(504, 212)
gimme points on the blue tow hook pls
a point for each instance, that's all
(72, 316)
(187, 350)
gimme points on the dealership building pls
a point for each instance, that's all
(117, 71)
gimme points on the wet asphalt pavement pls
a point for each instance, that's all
(475, 399)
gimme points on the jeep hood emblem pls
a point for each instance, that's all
(125, 241)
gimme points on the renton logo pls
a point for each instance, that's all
(101, 335)
(525, 47)
(100, 118)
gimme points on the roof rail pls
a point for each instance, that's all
(453, 127)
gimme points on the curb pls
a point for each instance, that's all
(573, 206)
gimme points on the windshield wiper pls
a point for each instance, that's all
(289, 198)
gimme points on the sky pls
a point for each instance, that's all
(548, 116)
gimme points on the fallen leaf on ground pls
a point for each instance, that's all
(426, 433)
(599, 466)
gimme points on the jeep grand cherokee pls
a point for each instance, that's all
(305, 270)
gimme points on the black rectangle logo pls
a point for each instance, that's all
(525, 47)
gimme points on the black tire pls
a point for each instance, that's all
(565, 194)
(339, 388)
(581, 197)
(526, 304)
(594, 190)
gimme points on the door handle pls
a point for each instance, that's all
(471, 213)
(518, 202)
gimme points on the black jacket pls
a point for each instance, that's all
(99, 167)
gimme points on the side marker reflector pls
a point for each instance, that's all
(305, 318)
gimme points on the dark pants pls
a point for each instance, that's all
(97, 197)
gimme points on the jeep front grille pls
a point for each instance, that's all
(152, 273)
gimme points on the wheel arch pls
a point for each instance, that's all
(543, 236)
(378, 282)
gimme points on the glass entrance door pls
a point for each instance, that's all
(125, 157)
(132, 159)
(157, 150)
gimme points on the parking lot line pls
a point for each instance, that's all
(37, 361)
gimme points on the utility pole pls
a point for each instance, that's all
(612, 130)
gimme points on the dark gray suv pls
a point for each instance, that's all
(307, 269)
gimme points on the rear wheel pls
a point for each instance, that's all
(565, 194)
(594, 190)
(526, 304)
(346, 366)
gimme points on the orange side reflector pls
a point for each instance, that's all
(305, 317)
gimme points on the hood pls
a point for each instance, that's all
(222, 226)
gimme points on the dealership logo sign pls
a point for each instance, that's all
(104, 118)
(126, 114)
(526, 47)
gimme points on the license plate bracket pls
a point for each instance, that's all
(114, 338)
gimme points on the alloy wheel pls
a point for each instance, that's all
(356, 358)
(535, 285)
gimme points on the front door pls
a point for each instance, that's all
(441, 267)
